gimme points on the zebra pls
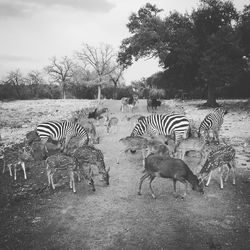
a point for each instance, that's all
(59, 130)
(162, 124)
(213, 121)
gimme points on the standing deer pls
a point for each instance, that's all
(165, 167)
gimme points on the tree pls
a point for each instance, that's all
(115, 77)
(170, 40)
(221, 63)
(101, 60)
(220, 57)
(184, 45)
(244, 30)
(15, 79)
(149, 36)
(35, 79)
(61, 72)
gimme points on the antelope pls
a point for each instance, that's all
(113, 121)
(189, 144)
(165, 167)
(13, 158)
(60, 162)
(224, 154)
(89, 157)
(133, 143)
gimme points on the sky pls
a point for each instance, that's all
(33, 31)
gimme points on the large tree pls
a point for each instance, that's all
(221, 63)
(169, 39)
(61, 71)
(220, 57)
(101, 60)
(185, 45)
(148, 36)
(244, 30)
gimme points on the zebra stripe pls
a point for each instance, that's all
(60, 130)
(213, 121)
(158, 124)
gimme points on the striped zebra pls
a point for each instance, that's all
(160, 124)
(58, 131)
(213, 122)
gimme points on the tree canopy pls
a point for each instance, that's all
(204, 48)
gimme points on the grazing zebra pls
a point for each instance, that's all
(160, 124)
(213, 121)
(61, 130)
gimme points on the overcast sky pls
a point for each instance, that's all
(32, 31)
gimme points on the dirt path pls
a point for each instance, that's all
(115, 217)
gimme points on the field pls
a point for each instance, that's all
(115, 217)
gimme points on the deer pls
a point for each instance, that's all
(216, 159)
(89, 157)
(62, 162)
(14, 157)
(133, 143)
(166, 167)
(189, 144)
(158, 145)
(113, 122)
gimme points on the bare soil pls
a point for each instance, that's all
(34, 216)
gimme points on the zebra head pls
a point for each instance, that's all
(221, 110)
(139, 129)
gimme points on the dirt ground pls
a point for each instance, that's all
(33, 216)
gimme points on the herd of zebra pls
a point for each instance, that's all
(160, 163)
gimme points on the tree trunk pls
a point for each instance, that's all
(211, 98)
(99, 94)
(63, 91)
(17, 91)
(115, 92)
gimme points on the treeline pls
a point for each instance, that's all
(53, 91)
(203, 54)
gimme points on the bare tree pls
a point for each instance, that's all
(116, 76)
(15, 79)
(34, 79)
(101, 60)
(61, 72)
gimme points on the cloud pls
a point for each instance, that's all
(13, 58)
(13, 9)
(22, 8)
